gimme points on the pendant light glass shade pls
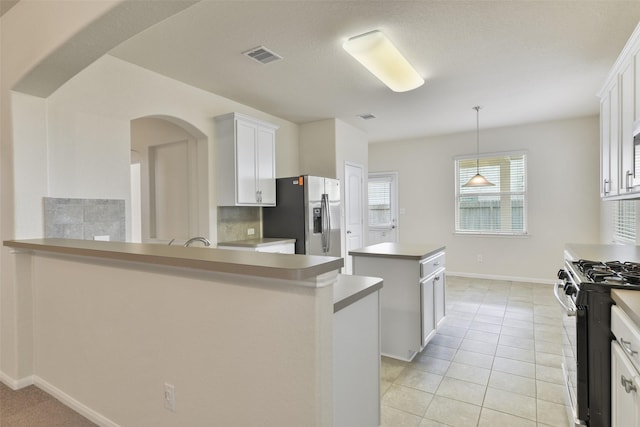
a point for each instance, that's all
(478, 180)
(383, 60)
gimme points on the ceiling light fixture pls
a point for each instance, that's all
(478, 180)
(383, 60)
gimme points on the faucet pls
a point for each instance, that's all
(203, 240)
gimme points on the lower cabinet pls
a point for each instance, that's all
(412, 301)
(625, 400)
(427, 308)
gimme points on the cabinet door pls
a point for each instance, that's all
(246, 137)
(439, 297)
(427, 309)
(627, 114)
(625, 401)
(605, 146)
(266, 168)
(614, 141)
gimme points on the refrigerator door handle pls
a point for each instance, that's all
(324, 209)
(328, 228)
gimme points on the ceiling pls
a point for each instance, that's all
(522, 61)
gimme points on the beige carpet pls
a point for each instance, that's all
(32, 407)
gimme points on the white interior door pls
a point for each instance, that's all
(354, 212)
(383, 207)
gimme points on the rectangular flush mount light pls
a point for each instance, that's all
(383, 60)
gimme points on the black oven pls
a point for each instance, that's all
(585, 296)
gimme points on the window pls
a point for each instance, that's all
(624, 221)
(499, 209)
(380, 208)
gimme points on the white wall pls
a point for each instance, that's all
(89, 122)
(563, 195)
(80, 135)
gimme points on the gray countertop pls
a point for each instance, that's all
(278, 266)
(603, 253)
(629, 302)
(399, 250)
(350, 289)
(257, 243)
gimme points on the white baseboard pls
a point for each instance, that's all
(504, 278)
(72, 403)
(14, 384)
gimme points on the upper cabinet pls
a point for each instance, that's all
(619, 116)
(245, 161)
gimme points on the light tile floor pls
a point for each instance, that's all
(494, 362)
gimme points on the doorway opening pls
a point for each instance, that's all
(169, 179)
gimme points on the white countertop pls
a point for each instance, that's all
(622, 253)
(279, 266)
(399, 250)
(349, 289)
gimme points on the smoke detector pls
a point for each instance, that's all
(262, 55)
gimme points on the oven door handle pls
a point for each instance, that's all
(570, 311)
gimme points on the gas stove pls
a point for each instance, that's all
(610, 274)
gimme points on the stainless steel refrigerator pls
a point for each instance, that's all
(308, 210)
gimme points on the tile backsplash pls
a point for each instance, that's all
(84, 218)
(234, 221)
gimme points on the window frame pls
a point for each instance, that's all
(524, 193)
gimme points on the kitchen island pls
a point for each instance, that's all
(412, 302)
(244, 338)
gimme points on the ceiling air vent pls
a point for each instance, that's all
(262, 55)
(366, 116)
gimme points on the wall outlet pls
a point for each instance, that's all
(479, 258)
(251, 231)
(170, 397)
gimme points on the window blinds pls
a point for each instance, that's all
(624, 220)
(499, 209)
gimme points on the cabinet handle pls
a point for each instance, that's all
(437, 263)
(628, 385)
(605, 187)
(628, 175)
(626, 345)
(435, 279)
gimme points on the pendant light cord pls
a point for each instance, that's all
(477, 108)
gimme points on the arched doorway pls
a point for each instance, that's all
(169, 160)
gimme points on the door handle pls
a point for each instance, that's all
(348, 231)
(628, 385)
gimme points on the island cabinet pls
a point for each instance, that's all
(245, 165)
(412, 302)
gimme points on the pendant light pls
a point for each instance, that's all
(478, 180)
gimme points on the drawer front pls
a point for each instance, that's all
(432, 264)
(627, 334)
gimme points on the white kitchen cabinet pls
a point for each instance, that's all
(625, 362)
(627, 114)
(625, 400)
(608, 145)
(619, 101)
(428, 328)
(412, 299)
(245, 161)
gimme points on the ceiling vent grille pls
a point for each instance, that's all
(366, 116)
(262, 55)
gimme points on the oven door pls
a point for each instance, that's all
(569, 350)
